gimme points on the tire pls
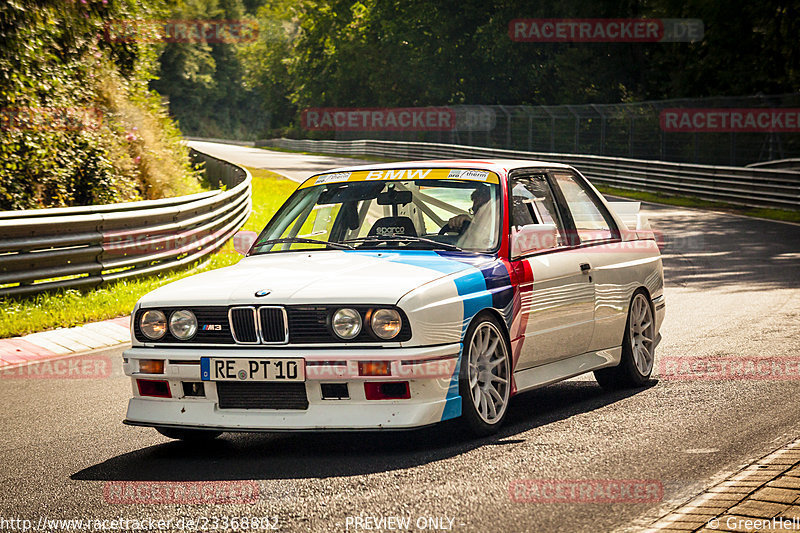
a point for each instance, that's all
(190, 435)
(638, 348)
(485, 376)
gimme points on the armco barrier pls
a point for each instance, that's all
(47, 248)
(746, 186)
(777, 163)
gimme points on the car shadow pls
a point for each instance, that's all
(240, 456)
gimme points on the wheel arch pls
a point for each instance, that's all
(497, 315)
(646, 291)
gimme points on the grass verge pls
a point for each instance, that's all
(72, 307)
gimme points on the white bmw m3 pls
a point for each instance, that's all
(400, 295)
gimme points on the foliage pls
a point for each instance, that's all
(203, 81)
(415, 53)
(79, 125)
(57, 54)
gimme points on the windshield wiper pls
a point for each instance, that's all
(337, 245)
(403, 238)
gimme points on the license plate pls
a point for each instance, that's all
(215, 369)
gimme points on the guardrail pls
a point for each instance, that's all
(777, 163)
(78, 247)
(751, 187)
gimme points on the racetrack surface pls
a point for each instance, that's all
(732, 291)
(296, 167)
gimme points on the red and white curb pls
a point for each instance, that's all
(64, 342)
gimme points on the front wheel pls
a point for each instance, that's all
(638, 349)
(485, 377)
(189, 435)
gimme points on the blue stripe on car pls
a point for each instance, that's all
(472, 288)
(485, 283)
(421, 258)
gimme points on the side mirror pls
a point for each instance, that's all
(243, 240)
(533, 237)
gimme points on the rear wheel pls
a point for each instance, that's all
(638, 348)
(485, 376)
(189, 435)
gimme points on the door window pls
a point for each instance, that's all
(532, 202)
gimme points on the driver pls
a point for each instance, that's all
(480, 197)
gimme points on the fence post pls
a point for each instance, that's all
(530, 132)
(602, 128)
(552, 129)
(577, 128)
(630, 136)
(508, 125)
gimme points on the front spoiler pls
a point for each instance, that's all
(428, 406)
(274, 430)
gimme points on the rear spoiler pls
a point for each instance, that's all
(630, 215)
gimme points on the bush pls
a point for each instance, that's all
(79, 125)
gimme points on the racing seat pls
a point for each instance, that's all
(388, 226)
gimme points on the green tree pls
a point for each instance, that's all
(203, 80)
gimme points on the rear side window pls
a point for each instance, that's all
(591, 218)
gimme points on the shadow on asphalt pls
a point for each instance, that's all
(709, 250)
(238, 456)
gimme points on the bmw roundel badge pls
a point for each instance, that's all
(262, 292)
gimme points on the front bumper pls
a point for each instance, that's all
(431, 373)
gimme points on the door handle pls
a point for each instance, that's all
(585, 267)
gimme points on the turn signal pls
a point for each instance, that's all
(374, 368)
(151, 366)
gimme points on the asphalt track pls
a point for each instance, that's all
(732, 292)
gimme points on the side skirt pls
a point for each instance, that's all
(539, 376)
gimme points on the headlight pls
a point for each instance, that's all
(183, 324)
(386, 323)
(153, 324)
(346, 323)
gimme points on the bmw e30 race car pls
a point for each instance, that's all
(401, 295)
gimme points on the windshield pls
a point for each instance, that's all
(430, 210)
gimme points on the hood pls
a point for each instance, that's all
(318, 277)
